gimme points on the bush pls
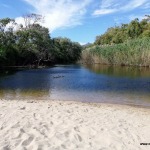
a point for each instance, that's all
(132, 52)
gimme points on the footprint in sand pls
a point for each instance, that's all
(17, 143)
(6, 148)
(28, 141)
(40, 147)
(16, 125)
(76, 129)
(78, 137)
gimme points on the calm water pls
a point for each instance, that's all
(95, 83)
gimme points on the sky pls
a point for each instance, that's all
(79, 20)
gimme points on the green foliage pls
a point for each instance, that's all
(134, 29)
(120, 34)
(7, 42)
(32, 44)
(131, 52)
(66, 51)
(128, 44)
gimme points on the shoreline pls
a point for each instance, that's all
(96, 104)
(31, 124)
(78, 63)
(116, 65)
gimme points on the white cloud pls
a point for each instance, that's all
(106, 3)
(20, 20)
(112, 6)
(104, 11)
(134, 4)
(59, 13)
(82, 43)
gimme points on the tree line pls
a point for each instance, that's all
(120, 34)
(125, 45)
(31, 44)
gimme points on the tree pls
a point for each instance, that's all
(31, 19)
(66, 51)
(34, 44)
(124, 32)
(7, 42)
(145, 24)
(134, 28)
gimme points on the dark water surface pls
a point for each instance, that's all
(95, 83)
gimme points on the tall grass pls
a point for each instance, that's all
(133, 52)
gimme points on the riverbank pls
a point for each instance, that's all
(135, 52)
(24, 67)
(71, 125)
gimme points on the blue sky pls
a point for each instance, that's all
(79, 20)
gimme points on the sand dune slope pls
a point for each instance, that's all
(29, 125)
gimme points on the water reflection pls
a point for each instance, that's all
(19, 94)
(94, 83)
(7, 72)
(120, 71)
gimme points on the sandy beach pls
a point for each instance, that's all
(59, 125)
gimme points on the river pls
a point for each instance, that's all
(93, 83)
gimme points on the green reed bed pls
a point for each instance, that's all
(133, 52)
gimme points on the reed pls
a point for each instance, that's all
(133, 52)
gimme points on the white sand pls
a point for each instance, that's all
(68, 125)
